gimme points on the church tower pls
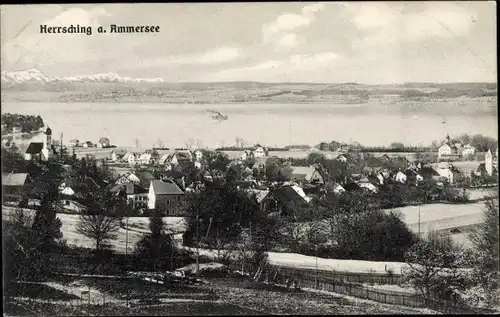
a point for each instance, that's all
(48, 138)
(47, 144)
(488, 162)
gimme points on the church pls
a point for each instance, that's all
(40, 150)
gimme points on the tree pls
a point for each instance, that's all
(217, 161)
(46, 225)
(485, 241)
(22, 258)
(160, 143)
(434, 267)
(189, 143)
(95, 224)
(275, 171)
(157, 248)
(315, 158)
(397, 146)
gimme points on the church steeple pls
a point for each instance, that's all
(48, 138)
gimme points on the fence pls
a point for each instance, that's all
(337, 276)
(329, 282)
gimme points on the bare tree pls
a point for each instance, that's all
(137, 143)
(159, 142)
(243, 143)
(97, 226)
(189, 143)
(199, 144)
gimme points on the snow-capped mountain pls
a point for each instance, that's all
(30, 75)
(36, 76)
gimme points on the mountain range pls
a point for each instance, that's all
(36, 76)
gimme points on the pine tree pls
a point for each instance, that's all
(46, 225)
(157, 248)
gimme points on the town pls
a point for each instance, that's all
(243, 198)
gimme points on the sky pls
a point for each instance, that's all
(330, 42)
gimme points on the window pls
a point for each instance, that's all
(67, 202)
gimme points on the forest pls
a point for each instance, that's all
(28, 123)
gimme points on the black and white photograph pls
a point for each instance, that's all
(250, 158)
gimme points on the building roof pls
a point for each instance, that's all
(287, 194)
(81, 185)
(351, 186)
(48, 131)
(34, 148)
(259, 193)
(14, 179)
(145, 177)
(301, 173)
(166, 188)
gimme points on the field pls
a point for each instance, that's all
(226, 296)
(441, 216)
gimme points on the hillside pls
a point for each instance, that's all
(33, 85)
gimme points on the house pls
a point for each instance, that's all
(74, 143)
(78, 187)
(400, 177)
(168, 159)
(259, 151)
(412, 176)
(145, 158)
(258, 194)
(283, 199)
(113, 156)
(136, 194)
(166, 197)
(447, 171)
(364, 183)
(198, 155)
(427, 172)
(306, 174)
(351, 186)
(201, 164)
(14, 185)
(184, 156)
(338, 189)
(70, 206)
(35, 152)
(341, 158)
(104, 142)
(142, 178)
(88, 144)
(468, 150)
(16, 129)
(490, 162)
(130, 158)
(217, 174)
(450, 150)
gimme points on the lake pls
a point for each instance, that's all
(371, 124)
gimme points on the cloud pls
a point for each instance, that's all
(383, 24)
(219, 55)
(289, 40)
(213, 56)
(291, 21)
(311, 62)
(30, 47)
(273, 70)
